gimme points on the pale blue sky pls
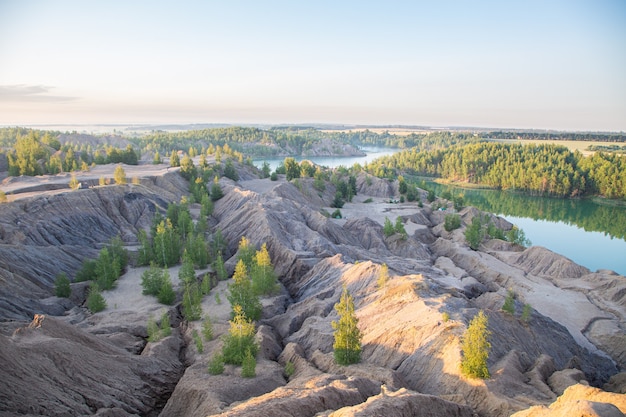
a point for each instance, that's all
(523, 64)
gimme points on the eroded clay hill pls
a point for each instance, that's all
(411, 326)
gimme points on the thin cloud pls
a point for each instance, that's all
(23, 93)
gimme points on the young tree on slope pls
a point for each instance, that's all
(475, 346)
(347, 346)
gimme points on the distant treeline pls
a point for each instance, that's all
(539, 170)
(579, 136)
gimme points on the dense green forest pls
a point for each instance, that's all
(549, 170)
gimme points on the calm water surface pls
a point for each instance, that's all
(590, 234)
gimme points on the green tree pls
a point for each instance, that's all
(388, 228)
(451, 222)
(475, 346)
(206, 205)
(165, 328)
(263, 276)
(230, 171)
(95, 300)
(207, 328)
(292, 169)
(152, 328)
(192, 299)
(265, 170)
(248, 366)
(166, 244)
(62, 286)
(187, 273)
(187, 168)
(152, 280)
(216, 364)
(157, 158)
(145, 255)
(526, 313)
(246, 252)
(240, 338)
(509, 303)
(119, 175)
(399, 227)
(240, 293)
(220, 269)
(107, 269)
(338, 201)
(166, 293)
(216, 190)
(474, 233)
(347, 345)
(174, 159)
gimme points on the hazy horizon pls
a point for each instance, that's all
(556, 65)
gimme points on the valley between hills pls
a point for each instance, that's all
(58, 359)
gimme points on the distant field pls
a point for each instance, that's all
(573, 145)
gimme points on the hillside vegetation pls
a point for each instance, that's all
(539, 170)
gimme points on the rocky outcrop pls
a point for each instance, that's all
(580, 400)
(403, 403)
(51, 368)
(41, 237)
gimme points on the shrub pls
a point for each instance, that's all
(290, 369)
(62, 286)
(526, 313)
(274, 176)
(476, 346)
(369, 200)
(154, 335)
(451, 222)
(336, 214)
(445, 316)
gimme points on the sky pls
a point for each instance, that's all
(505, 64)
